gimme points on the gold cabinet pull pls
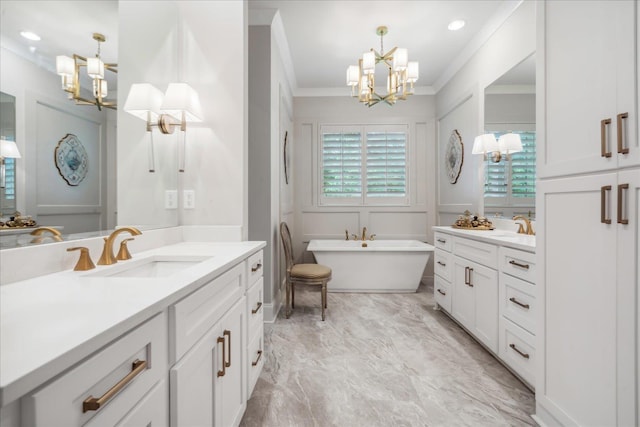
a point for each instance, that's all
(441, 293)
(223, 371)
(255, 362)
(255, 310)
(621, 220)
(93, 404)
(621, 148)
(513, 346)
(442, 264)
(603, 204)
(442, 241)
(517, 264)
(515, 301)
(603, 138)
(227, 333)
(256, 268)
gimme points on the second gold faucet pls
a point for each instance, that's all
(107, 257)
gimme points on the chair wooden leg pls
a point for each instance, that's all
(287, 311)
(293, 295)
(324, 298)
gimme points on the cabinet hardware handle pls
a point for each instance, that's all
(255, 310)
(223, 371)
(255, 362)
(603, 204)
(517, 264)
(256, 268)
(93, 404)
(228, 334)
(513, 346)
(442, 263)
(603, 138)
(515, 301)
(467, 276)
(442, 241)
(441, 293)
(620, 117)
(620, 219)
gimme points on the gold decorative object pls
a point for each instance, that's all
(473, 222)
(18, 221)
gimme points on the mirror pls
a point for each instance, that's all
(44, 118)
(510, 106)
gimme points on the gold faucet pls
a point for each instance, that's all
(55, 234)
(521, 230)
(107, 257)
(364, 233)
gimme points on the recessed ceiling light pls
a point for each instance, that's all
(30, 35)
(456, 25)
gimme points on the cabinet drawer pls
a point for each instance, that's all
(518, 263)
(152, 410)
(192, 316)
(442, 264)
(518, 302)
(517, 349)
(254, 268)
(255, 360)
(442, 241)
(255, 307)
(442, 293)
(70, 400)
(482, 253)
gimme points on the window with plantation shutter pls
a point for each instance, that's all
(361, 165)
(9, 191)
(513, 182)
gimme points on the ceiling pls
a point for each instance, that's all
(324, 37)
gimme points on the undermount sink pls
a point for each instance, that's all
(153, 267)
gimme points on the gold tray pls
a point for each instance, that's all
(481, 227)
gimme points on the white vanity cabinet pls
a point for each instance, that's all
(207, 383)
(255, 316)
(123, 382)
(488, 288)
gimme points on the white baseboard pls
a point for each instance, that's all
(272, 309)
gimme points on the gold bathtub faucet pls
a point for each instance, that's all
(107, 257)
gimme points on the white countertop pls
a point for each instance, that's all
(49, 323)
(499, 237)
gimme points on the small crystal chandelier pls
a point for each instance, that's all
(69, 69)
(402, 74)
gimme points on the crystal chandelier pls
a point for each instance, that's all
(402, 74)
(69, 69)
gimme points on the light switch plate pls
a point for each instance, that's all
(189, 199)
(171, 199)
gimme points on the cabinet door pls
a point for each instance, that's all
(230, 396)
(463, 305)
(576, 380)
(628, 284)
(151, 411)
(485, 285)
(589, 77)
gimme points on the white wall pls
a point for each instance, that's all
(401, 222)
(460, 105)
(203, 44)
(43, 116)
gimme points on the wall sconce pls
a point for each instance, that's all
(179, 105)
(8, 150)
(507, 144)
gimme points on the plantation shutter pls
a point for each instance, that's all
(9, 191)
(386, 170)
(341, 164)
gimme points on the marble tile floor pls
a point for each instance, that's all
(380, 360)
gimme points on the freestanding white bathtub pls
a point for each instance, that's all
(382, 266)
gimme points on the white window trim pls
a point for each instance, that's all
(363, 200)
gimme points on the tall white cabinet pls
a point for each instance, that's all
(589, 204)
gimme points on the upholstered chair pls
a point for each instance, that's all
(306, 274)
